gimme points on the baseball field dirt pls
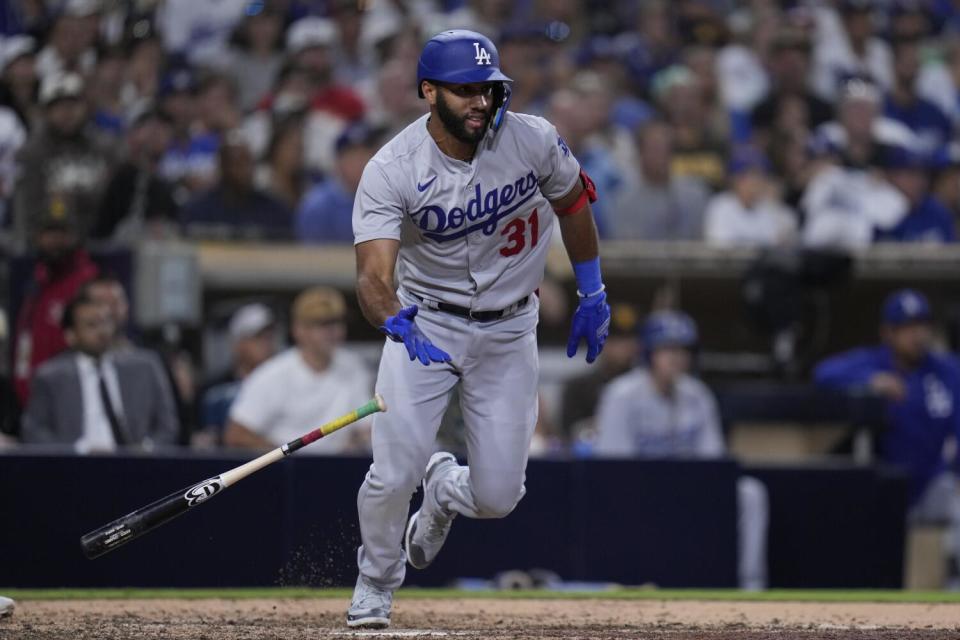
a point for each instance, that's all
(476, 618)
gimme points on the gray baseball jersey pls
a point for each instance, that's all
(474, 234)
(635, 419)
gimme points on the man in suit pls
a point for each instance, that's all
(95, 398)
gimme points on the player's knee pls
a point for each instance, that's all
(394, 481)
(497, 500)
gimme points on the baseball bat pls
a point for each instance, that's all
(135, 524)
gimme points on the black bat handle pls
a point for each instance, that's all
(135, 524)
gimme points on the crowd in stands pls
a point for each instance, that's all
(828, 123)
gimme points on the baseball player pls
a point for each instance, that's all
(460, 206)
(662, 410)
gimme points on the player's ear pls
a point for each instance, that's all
(429, 91)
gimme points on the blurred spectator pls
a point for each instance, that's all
(749, 214)
(654, 45)
(860, 134)
(656, 204)
(282, 173)
(71, 43)
(939, 81)
(97, 399)
(218, 110)
(311, 45)
(741, 78)
(355, 61)
(790, 105)
(253, 341)
(485, 16)
(927, 219)
(18, 78)
(846, 46)
(256, 52)
(699, 150)
(138, 204)
(235, 209)
(395, 106)
(190, 164)
(144, 61)
(660, 410)
(61, 268)
(108, 116)
(108, 290)
(581, 393)
(198, 30)
(845, 202)
(326, 215)
(61, 160)
(932, 128)
(922, 390)
(523, 57)
(305, 386)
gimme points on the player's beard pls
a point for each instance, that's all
(456, 125)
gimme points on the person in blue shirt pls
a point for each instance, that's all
(928, 219)
(326, 212)
(931, 125)
(922, 390)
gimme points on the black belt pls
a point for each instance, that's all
(479, 316)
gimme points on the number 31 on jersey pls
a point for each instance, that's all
(516, 233)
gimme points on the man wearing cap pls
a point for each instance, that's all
(927, 220)
(748, 214)
(325, 216)
(61, 269)
(661, 410)
(61, 159)
(922, 390)
(252, 333)
(311, 383)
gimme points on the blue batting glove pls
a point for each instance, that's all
(591, 322)
(402, 328)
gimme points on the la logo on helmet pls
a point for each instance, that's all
(482, 56)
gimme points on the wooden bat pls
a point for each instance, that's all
(135, 524)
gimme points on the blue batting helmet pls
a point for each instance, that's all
(458, 57)
(668, 329)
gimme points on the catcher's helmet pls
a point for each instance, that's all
(460, 56)
(668, 329)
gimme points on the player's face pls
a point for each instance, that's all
(668, 363)
(909, 342)
(465, 109)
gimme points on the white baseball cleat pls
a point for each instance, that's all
(428, 528)
(7, 605)
(370, 606)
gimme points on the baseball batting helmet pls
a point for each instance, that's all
(668, 329)
(460, 56)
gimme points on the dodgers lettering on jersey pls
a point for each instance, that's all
(474, 234)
